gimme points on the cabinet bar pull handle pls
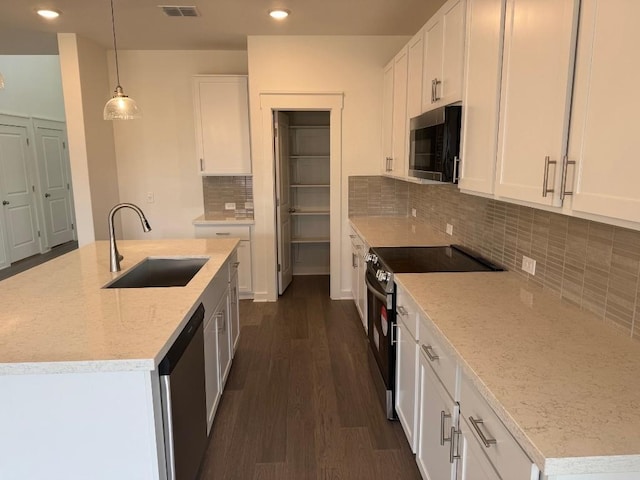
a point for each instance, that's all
(456, 165)
(354, 261)
(428, 350)
(352, 236)
(545, 180)
(433, 90)
(563, 187)
(393, 339)
(442, 437)
(453, 456)
(402, 311)
(222, 233)
(202, 164)
(436, 82)
(475, 423)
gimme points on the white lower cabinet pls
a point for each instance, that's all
(243, 232)
(358, 270)
(474, 464)
(406, 385)
(224, 339)
(437, 453)
(212, 384)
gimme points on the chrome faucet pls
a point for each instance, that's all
(114, 255)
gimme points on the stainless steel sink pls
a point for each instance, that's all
(160, 272)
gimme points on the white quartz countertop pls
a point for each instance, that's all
(396, 231)
(564, 383)
(57, 317)
(222, 220)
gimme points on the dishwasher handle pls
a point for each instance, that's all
(181, 343)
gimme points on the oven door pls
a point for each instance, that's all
(381, 320)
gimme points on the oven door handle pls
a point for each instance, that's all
(376, 293)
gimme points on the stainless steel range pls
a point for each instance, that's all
(382, 264)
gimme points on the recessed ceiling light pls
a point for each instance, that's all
(48, 13)
(279, 13)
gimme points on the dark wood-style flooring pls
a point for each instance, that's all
(300, 402)
(35, 260)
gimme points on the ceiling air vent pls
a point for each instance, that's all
(179, 11)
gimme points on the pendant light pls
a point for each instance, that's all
(1, 81)
(120, 107)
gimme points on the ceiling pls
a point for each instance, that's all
(223, 24)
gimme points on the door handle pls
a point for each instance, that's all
(47, 195)
(4, 202)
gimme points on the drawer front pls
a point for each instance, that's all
(498, 444)
(442, 362)
(407, 312)
(224, 231)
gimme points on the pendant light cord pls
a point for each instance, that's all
(115, 48)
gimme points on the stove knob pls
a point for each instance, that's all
(378, 274)
(371, 258)
(387, 276)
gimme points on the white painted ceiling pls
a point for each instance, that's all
(223, 24)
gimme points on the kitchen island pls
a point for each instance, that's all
(79, 388)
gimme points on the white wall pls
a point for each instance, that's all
(157, 153)
(347, 64)
(91, 148)
(33, 86)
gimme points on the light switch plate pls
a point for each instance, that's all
(449, 229)
(528, 265)
(414, 212)
(230, 206)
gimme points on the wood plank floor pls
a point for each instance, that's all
(300, 401)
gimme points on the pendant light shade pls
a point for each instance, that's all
(1, 81)
(120, 107)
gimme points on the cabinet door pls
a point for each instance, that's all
(414, 75)
(245, 284)
(483, 63)
(604, 130)
(234, 313)
(212, 381)
(438, 413)
(537, 74)
(222, 125)
(400, 135)
(433, 38)
(387, 117)
(223, 328)
(474, 464)
(407, 383)
(453, 20)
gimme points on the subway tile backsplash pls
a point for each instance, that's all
(220, 190)
(592, 265)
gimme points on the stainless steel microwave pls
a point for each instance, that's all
(434, 150)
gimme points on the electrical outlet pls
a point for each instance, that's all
(449, 229)
(230, 206)
(414, 212)
(528, 265)
(150, 197)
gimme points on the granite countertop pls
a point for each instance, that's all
(393, 231)
(57, 317)
(563, 382)
(205, 219)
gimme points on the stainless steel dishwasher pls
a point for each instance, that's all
(182, 388)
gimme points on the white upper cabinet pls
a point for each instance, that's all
(414, 76)
(537, 74)
(481, 97)
(444, 55)
(604, 124)
(387, 117)
(222, 124)
(395, 137)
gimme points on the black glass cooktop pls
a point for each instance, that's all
(432, 259)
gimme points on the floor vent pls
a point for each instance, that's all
(179, 11)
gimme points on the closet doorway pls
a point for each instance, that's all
(302, 152)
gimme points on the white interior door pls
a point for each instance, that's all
(54, 181)
(16, 192)
(283, 215)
